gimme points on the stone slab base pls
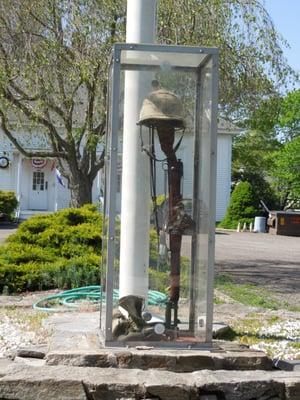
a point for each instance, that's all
(170, 360)
(77, 383)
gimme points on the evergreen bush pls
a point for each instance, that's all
(8, 203)
(63, 250)
(242, 208)
(60, 250)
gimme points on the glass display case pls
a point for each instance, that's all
(159, 207)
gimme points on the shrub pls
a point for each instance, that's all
(57, 250)
(64, 274)
(18, 253)
(8, 203)
(63, 230)
(242, 206)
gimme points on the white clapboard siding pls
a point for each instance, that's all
(7, 179)
(63, 196)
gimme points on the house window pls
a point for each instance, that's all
(38, 181)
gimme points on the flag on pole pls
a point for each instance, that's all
(57, 173)
(59, 177)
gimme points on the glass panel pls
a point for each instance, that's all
(203, 198)
(105, 237)
(164, 60)
(159, 251)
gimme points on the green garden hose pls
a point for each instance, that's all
(71, 298)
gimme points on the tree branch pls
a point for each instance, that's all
(30, 113)
(21, 149)
(97, 166)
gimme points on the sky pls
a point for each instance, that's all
(286, 17)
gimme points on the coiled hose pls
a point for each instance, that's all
(93, 294)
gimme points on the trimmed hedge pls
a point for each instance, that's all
(64, 274)
(60, 250)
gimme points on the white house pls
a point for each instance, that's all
(38, 190)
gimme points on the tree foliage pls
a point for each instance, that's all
(254, 154)
(53, 75)
(287, 173)
(289, 117)
(54, 57)
(251, 59)
(267, 156)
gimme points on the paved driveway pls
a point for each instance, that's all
(6, 230)
(267, 260)
(264, 259)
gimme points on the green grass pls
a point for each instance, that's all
(246, 330)
(295, 345)
(247, 294)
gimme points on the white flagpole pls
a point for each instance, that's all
(135, 209)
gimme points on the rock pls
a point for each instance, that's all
(34, 362)
(38, 351)
(5, 363)
(221, 330)
(64, 382)
(288, 365)
(99, 359)
(170, 360)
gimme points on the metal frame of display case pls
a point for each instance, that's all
(209, 54)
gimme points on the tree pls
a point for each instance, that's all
(253, 161)
(243, 206)
(252, 66)
(53, 75)
(54, 57)
(277, 116)
(289, 117)
(287, 173)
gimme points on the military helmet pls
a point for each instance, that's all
(160, 107)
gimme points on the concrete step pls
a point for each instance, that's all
(46, 382)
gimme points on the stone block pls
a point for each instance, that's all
(190, 363)
(67, 383)
(79, 359)
(33, 352)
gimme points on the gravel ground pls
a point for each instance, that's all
(13, 335)
(20, 327)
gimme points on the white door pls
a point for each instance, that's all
(38, 191)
